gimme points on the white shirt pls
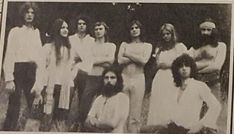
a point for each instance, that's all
(102, 53)
(114, 110)
(188, 107)
(24, 45)
(60, 73)
(82, 50)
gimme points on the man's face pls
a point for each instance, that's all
(110, 78)
(206, 31)
(135, 30)
(99, 31)
(185, 71)
(81, 26)
(29, 16)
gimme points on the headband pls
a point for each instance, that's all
(207, 24)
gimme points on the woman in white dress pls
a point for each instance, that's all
(163, 86)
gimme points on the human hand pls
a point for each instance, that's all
(10, 86)
(37, 101)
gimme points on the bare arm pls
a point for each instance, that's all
(218, 62)
(140, 58)
(107, 59)
(121, 58)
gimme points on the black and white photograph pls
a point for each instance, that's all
(116, 67)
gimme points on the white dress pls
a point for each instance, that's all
(163, 88)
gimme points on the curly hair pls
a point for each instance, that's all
(117, 72)
(186, 60)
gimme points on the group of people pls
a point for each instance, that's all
(110, 97)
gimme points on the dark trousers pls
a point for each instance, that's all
(92, 88)
(24, 79)
(80, 82)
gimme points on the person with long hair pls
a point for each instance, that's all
(59, 78)
(132, 56)
(103, 53)
(187, 101)
(209, 54)
(23, 64)
(110, 109)
(163, 86)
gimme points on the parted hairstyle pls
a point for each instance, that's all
(186, 60)
(171, 29)
(24, 9)
(86, 19)
(117, 72)
(142, 30)
(99, 23)
(59, 41)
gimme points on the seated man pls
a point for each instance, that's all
(188, 98)
(109, 111)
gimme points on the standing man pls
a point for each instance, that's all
(23, 65)
(110, 110)
(81, 43)
(209, 54)
(133, 56)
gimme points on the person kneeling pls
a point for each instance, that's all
(109, 111)
(188, 98)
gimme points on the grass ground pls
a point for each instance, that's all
(222, 121)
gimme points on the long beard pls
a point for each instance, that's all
(109, 90)
(208, 39)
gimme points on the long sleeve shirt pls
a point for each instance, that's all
(82, 49)
(188, 106)
(112, 111)
(24, 45)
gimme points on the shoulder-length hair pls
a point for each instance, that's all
(171, 29)
(213, 38)
(86, 19)
(24, 9)
(142, 29)
(58, 40)
(117, 72)
(99, 23)
(186, 60)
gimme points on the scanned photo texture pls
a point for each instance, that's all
(116, 67)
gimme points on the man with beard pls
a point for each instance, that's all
(209, 54)
(109, 111)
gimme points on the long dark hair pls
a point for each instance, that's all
(117, 72)
(59, 41)
(212, 39)
(24, 9)
(186, 60)
(171, 29)
(139, 24)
